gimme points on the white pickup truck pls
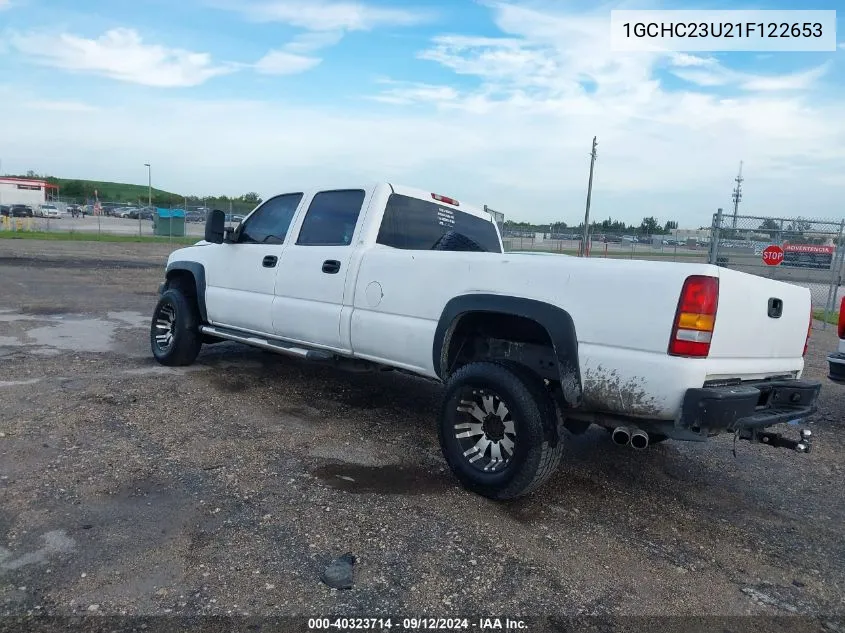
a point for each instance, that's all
(527, 344)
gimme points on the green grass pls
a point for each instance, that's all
(828, 317)
(118, 191)
(75, 236)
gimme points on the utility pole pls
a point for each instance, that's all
(585, 242)
(737, 193)
(149, 194)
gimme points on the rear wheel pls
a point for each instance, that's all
(175, 338)
(493, 430)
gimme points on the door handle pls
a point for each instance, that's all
(269, 261)
(331, 266)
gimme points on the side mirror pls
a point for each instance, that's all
(214, 227)
(230, 235)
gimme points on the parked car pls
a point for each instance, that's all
(125, 212)
(195, 216)
(20, 211)
(146, 213)
(49, 211)
(4, 210)
(344, 277)
(836, 360)
(234, 218)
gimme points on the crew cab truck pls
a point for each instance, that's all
(836, 360)
(390, 277)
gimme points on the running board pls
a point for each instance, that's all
(274, 346)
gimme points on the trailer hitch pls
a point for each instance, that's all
(802, 445)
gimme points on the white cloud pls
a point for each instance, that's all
(284, 63)
(685, 60)
(511, 129)
(294, 56)
(328, 15)
(408, 93)
(120, 54)
(708, 73)
(551, 81)
(310, 41)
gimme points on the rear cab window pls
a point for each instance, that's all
(414, 224)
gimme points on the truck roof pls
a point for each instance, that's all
(412, 192)
(423, 194)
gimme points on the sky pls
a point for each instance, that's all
(492, 102)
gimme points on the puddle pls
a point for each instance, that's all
(387, 480)
(37, 310)
(159, 370)
(7, 317)
(15, 383)
(229, 384)
(55, 542)
(45, 351)
(78, 335)
(134, 319)
(361, 453)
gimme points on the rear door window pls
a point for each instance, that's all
(331, 218)
(413, 224)
(271, 221)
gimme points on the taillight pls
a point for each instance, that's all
(842, 319)
(445, 199)
(695, 317)
(809, 329)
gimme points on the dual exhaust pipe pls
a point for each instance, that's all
(623, 436)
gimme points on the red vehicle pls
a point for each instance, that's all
(836, 361)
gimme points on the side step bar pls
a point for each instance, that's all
(279, 347)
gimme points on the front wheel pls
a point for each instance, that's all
(493, 430)
(175, 338)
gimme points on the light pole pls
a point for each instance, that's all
(149, 194)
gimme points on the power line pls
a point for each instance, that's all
(585, 243)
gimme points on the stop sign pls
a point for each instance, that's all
(772, 255)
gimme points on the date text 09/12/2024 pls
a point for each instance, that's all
(417, 624)
(723, 29)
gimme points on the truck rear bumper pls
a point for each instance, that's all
(748, 406)
(836, 362)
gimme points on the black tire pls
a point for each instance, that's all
(175, 314)
(531, 412)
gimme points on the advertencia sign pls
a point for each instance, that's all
(807, 256)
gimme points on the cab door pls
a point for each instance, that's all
(241, 277)
(313, 274)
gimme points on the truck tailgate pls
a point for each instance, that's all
(744, 327)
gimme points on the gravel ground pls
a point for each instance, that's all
(228, 486)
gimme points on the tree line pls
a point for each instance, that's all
(649, 226)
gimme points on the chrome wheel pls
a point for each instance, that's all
(485, 430)
(165, 325)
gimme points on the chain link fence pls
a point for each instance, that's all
(682, 246)
(808, 253)
(90, 216)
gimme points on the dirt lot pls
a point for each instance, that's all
(226, 487)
